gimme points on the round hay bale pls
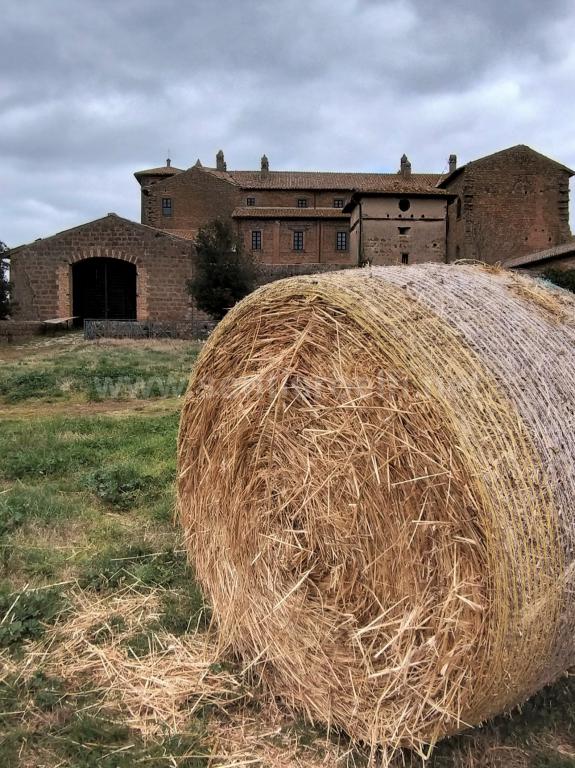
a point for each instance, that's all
(376, 483)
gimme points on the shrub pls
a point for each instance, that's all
(564, 278)
(224, 273)
(119, 486)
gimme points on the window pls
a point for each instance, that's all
(166, 206)
(302, 202)
(404, 230)
(256, 240)
(338, 202)
(251, 201)
(458, 208)
(404, 204)
(298, 241)
(341, 241)
(405, 258)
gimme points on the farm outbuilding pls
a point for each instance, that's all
(106, 269)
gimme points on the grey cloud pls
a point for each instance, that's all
(91, 91)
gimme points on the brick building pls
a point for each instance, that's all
(497, 208)
(304, 218)
(110, 267)
(507, 205)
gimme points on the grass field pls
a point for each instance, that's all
(104, 655)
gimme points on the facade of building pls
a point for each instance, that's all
(111, 267)
(304, 218)
(507, 205)
(494, 209)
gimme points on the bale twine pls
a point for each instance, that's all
(376, 483)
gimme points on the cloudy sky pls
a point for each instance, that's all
(92, 90)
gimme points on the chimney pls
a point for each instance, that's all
(220, 162)
(452, 163)
(168, 163)
(405, 167)
(265, 165)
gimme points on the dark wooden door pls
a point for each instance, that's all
(104, 289)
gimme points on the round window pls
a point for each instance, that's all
(404, 205)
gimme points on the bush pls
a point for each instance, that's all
(564, 278)
(118, 486)
(224, 273)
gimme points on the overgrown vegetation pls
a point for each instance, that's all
(84, 372)
(224, 272)
(25, 614)
(86, 501)
(564, 278)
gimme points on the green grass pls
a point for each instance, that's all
(26, 614)
(65, 730)
(87, 498)
(91, 372)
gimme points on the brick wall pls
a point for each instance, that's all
(320, 241)
(455, 231)
(513, 203)
(14, 331)
(289, 198)
(270, 272)
(197, 198)
(42, 272)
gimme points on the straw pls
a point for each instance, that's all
(376, 482)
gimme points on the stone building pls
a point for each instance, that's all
(507, 205)
(303, 218)
(111, 267)
(495, 209)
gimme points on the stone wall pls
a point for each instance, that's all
(390, 235)
(42, 272)
(270, 272)
(197, 197)
(512, 203)
(13, 331)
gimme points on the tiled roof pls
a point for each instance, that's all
(254, 212)
(565, 249)
(185, 234)
(319, 180)
(165, 170)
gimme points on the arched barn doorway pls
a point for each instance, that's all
(104, 289)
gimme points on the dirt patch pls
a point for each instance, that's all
(107, 407)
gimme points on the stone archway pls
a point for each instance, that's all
(104, 288)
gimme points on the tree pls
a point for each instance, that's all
(564, 278)
(223, 272)
(4, 282)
